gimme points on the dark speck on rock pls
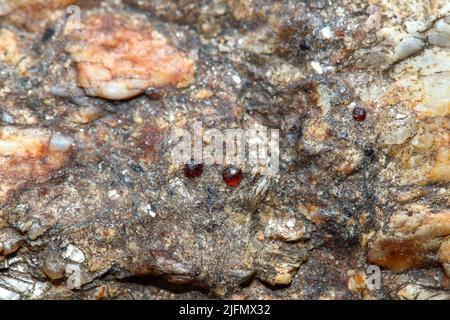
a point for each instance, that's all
(137, 168)
(369, 152)
(48, 34)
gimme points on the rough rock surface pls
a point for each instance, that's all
(92, 207)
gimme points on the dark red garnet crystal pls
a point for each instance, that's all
(232, 176)
(193, 170)
(359, 114)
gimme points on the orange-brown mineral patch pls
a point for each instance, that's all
(444, 256)
(28, 156)
(441, 169)
(9, 47)
(118, 57)
(410, 241)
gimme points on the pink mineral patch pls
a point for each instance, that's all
(119, 57)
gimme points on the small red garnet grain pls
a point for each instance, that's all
(193, 170)
(232, 176)
(359, 114)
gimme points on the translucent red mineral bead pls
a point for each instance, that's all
(359, 114)
(232, 176)
(193, 170)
